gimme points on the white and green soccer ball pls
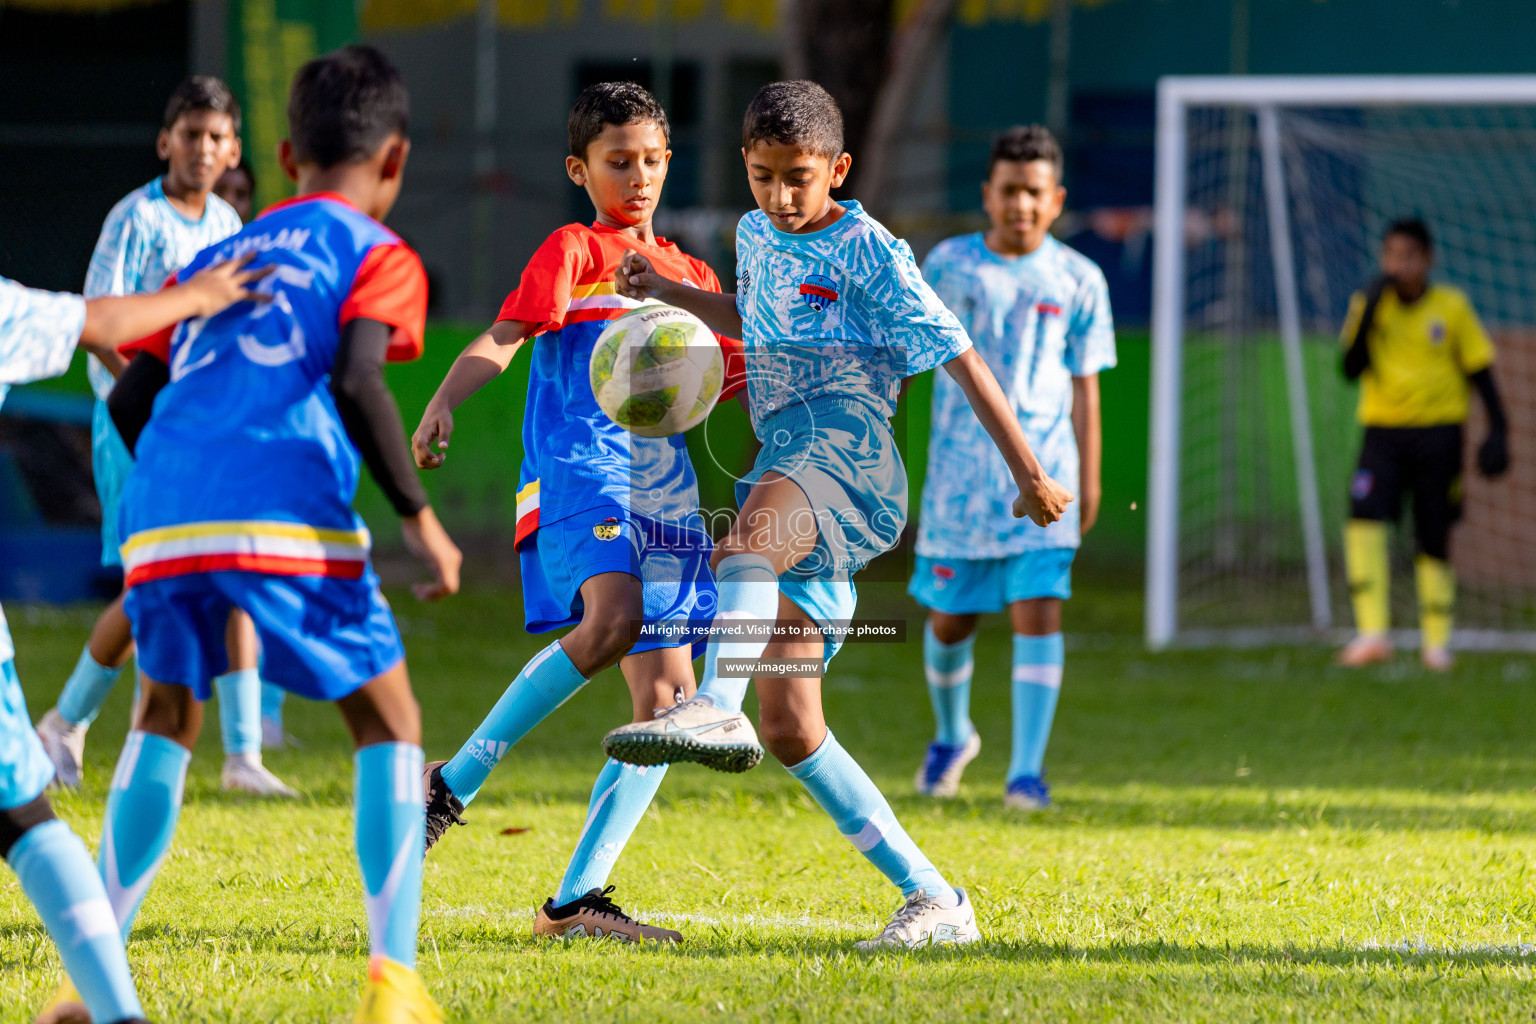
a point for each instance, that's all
(657, 371)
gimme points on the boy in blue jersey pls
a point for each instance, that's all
(249, 429)
(834, 314)
(608, 523)
(1038, 312)
(149, 235)
(38, 334)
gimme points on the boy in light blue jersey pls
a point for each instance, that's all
(150, 234)
(38, 334)
(1038, 313)
(834, 314)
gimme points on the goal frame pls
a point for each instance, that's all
(1266, 96)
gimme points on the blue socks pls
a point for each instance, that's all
(545, 683)
(949, 667)
(391, 842)
(142, 808)
(1037, 662)
(240, 710)
(619, 799)
(865, 819)
(87, 689)
(57, 875)
(749, 593)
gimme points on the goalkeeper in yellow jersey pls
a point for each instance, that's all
(1417, 349)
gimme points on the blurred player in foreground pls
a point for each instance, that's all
(38, 334)
(608, 523)
(149, 235)
(249, 428)
(1038, 313)
(834, 313)
(1417, 349)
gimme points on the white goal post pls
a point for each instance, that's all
(1264, 144)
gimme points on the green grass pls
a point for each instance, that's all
(1237, 837)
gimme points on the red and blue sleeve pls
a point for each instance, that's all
(543, 296)
(157, 344)
(391, 287)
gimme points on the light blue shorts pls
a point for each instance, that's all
(672, 564)
(25, 770)
(110, 465)
(972, 586)
(321, 637)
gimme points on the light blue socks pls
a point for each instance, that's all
(87, 689)
(865, 819)
(57, 875)
(142, 808)
(391, 842)
(240, 710)
(272, 699)
(1037, 662)
(949, 667)
(545, 683)
(749, 594)
(619, 799)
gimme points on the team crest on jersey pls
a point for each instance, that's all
(942, 574)
(1437, 332)
(606, 530)
(1048, 309)
(819, 292)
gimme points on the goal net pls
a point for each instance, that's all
(1272, 194)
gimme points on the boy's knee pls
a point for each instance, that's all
(786, 738)
(16, 822)
(951, 629)
(171, 712)
(601, 642)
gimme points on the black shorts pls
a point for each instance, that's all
(1422, 461)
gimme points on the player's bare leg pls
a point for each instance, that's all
(63, 727)
(947, 663)
(657, 679)
(239, 693)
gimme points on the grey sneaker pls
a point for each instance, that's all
(64, 743)
(693, 730)
(921, 921)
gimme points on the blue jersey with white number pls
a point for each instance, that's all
(840, 312)
(1038, 320)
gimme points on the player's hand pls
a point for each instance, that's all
(1041, 500)
(636, 279)
(1493, 455)
(427, 540)
(429, 445)
(222, 285)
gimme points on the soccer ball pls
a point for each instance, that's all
(657, 371)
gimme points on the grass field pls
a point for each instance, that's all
(1238, 837)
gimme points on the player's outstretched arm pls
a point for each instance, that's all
(481, 362)
(1040, 498)
(1088, 426)
(637, 279)
(1493, 453)
(114, 320)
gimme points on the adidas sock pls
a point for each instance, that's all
(619, 799)
(87, 689)
(391, 842)
(865, 819)
(948, 667)
(57, 875)
(1370, 576)
(240, 711)
(749, 593)
(545, 683)
(1437, 600)
(272, 698)
(1037, 662)
(142, 809)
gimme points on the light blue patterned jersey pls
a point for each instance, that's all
(1038, 321)
(842, 311)
(143, 242)
(38, 333)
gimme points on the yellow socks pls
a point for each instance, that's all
(1437, 600)
(1365, 563)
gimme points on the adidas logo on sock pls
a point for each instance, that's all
(488, 752)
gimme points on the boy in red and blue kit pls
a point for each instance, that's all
(249, 429)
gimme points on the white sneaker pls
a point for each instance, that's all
(921, 921)
(64, 742)
(942, 768)
(244, 773)
(1437, 659)
(691, 730)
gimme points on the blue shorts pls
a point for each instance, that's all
(827, 602)
(110, 465)
(971, 586)
(321, 638)
(842, 455)
(25, 770)
(672, 564)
